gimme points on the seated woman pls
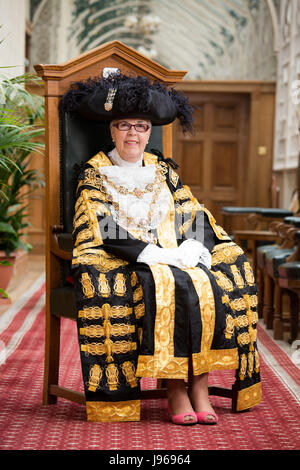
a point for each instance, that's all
(162, 291)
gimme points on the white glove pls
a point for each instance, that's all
(187, 255)
(194, 252)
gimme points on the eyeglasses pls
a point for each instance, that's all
(125, 126)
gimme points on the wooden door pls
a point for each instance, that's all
(213, 162)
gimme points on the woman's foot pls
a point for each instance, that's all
(179, 405)
(199, 396)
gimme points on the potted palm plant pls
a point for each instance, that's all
(21, 122)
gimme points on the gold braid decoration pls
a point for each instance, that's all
(241, 321)
(108, 347)
(87, 286)
(139, 310)
(249, 274)
(237, 276)
(98, 258)
(223, 281)
(138, 294)
(119, 284)
(103, 286)
(112, 375)
(250, 363)
(129, 372)
(256, 360)
(238, 304)
(83, 235)
(134, 279)
(229, 327)
(181, 194)
(226, 253)
(96, 331)
(80, 221)
(94, 377)
(243, 368)
(94, 313)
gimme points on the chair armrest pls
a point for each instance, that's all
(61, 243)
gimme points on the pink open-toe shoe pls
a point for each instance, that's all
(203, 417)
(181, 418)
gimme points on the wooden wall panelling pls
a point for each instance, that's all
(221, 162)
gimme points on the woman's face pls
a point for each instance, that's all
(130, 144)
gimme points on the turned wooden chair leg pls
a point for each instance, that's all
(268, 307)
(52, 349)
(277, 323)
(294, 315)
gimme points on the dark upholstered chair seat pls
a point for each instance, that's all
(240, 210)
(274, 259)
(290, 270)
(261, 254)
(65, 241)
(62, 302)
(293, 221)
(265, 212)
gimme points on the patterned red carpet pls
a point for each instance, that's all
(26, 424)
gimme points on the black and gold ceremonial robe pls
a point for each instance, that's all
(136, 320)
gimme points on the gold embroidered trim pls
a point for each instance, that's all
(226, 253)
(175, 368)
(250, 363)
(83, 235)
(215, 359)
(237, 276)
(87, 287)
(103, 286)
(149, 158)
(178, 367)
(249, 397)
(100, 159)
(112, 376)
(241, 321)
(104, 412)
(134, 279)
(96, 331)
(80, 221)
(243, 367)
(129, 372)
(95, 376)
(98, 258)
(187, 206)
(119, 285)
(229, 329)
(251, 320)
(165, 316)
(94, 313)
(108, 347)
(166, 230)
(181, 194)
(92, 217)
(249, 274)
(139, 310)
(138, 294)
(223, 281)
(205, 294)
(173, 177)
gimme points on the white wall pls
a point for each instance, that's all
(287, 120)
(12, 34)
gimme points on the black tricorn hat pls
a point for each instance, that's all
(123, 96)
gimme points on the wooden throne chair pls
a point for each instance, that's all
(69, 143)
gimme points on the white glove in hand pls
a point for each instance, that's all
(187, 255)
(194, 252)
